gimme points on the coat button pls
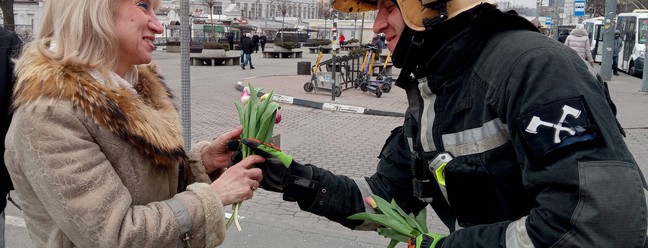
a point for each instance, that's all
(323, 191)
(321, 202)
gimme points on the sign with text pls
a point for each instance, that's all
(579, 7)
(548, 20)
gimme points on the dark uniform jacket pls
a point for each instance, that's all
(539, 157)
(9, 45)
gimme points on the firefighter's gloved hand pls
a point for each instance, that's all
(235, 147)
(426, 240)
(280, 169)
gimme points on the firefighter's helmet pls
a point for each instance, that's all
(413, 11)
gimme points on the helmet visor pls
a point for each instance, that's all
(348, 6)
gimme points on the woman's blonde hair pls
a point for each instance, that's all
(78, 33)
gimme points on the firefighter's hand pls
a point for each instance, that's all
(426, 240)
(278, 165)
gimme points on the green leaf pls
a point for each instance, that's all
(383, 220)
(239, 109)
(421, 218)
(393, 243)
(386, 208)
(389, 233)
(264, 104)
(411, 221)
(270, 130)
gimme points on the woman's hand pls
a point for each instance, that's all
(216, 155)
(239, 181)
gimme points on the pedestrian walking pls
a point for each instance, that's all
(563, 35)
(255, 41)
(10, 45)
(618, 43)
(503, 157)
(95, 146)
(263, 39)
(247, 48)
(230, 40)
(579, 42)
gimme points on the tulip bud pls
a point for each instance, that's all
(278, 118)
(265, 96)
(245, 96)
(369, 200)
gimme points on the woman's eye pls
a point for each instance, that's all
(143, 5)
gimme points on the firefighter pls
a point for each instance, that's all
(509, 136)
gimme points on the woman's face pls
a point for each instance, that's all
(390, 22)
(136, 25)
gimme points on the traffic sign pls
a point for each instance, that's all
(579, 7)
(548, 20)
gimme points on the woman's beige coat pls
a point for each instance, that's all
(99, 166)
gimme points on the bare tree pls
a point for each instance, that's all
(8, 13)
(595, 7)
(325, 12)
(283, 6)
(210, 4)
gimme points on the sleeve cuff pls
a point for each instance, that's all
(214, 213)
(196, 165)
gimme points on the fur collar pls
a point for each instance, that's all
(149, 121)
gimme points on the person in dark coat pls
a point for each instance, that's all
(230, 40)
(255, 41)
(10, 45)
(247, 46)
(263, 39)
(563, 36)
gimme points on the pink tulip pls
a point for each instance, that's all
(369, 200)
(245, 96)
(278, 118)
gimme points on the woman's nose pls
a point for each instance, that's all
(155, 25)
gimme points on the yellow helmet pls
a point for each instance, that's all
(413, 11)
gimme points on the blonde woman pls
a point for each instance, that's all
(95, 148)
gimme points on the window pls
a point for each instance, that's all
(218, 8)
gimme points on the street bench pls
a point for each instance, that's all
(315, 50)
(213, 61)
(282, 55)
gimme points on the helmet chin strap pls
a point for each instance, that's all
(441, 7)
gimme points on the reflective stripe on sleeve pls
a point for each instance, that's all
(427, 119)
(517, 235)
(182, 217)
(490, 135)
(365, 191)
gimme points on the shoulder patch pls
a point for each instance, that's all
(557, 125)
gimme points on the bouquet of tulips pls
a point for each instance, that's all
(395, 223)
(258, 117)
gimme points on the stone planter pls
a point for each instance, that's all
(353, 44)
(280, 49)
(214, 53)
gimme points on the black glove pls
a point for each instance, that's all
(280, 171)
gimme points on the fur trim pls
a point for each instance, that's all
(196, 165)
(149, 121)
(214, 213)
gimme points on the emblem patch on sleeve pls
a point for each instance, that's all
(557, 125)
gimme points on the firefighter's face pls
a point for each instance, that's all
(390, 22)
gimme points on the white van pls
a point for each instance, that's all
(633, 27)
(594, 28)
